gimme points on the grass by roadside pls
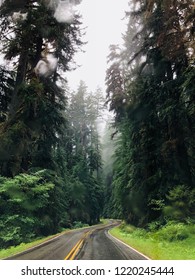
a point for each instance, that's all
(104, 221)
(171, 242)
(5, 253)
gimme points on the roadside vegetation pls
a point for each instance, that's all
(173, 241)
(50, 156)
(150, 90)
(5, 253)
(51, 163)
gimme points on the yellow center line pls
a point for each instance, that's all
(76, 248)
(72, 251)
(71, 255)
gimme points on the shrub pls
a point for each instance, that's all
(140, 233)
(16, 229)
(28, 207)
(181, 204)
(128, 229)
(173, 232)
(79, 224)
(152, 227)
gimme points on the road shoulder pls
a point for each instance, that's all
(121, 241)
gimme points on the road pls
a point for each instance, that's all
(94, 243)
(100, 245)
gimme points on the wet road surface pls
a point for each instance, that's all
(100, 245)
(94, 243)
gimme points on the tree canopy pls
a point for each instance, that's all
(154, 109)
(50, 155)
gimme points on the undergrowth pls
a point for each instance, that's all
(173, 241)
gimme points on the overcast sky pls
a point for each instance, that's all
(103, 19)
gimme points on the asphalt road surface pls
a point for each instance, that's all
(94, 243)
(100, 245)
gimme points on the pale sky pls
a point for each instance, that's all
(103, 19)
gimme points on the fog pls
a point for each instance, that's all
(63, 9)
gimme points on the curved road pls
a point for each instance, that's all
(100, 245)
(94, 243)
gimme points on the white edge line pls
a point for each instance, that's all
(128, 246)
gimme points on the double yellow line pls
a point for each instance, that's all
(72, 254)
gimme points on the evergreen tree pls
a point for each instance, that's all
(154, 153)
(86, 154)
(34, 134)
(35, 112)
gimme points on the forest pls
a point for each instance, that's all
(50, 158)
(56, 169)
(150, 89)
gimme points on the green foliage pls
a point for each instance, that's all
(77, 224)
(42, 201)
(50, 150)
(172, 232)
(173, 241)
(153, 226)
(127, 229)
(157, 205)
(151, 92)
(31, 205)
(33, 107)
(16, 229)
(84, 163)
(181, 203)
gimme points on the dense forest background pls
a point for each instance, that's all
(50, 157)
(150, 89)
(55, 167)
